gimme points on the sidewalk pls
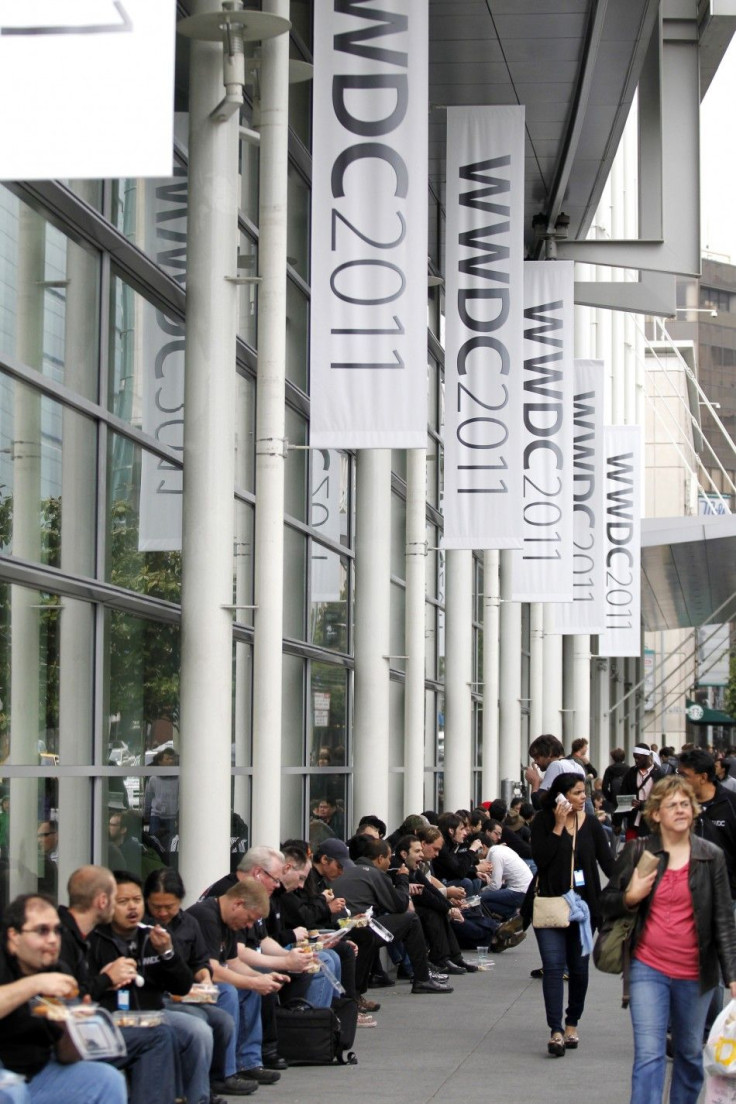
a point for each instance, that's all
(485, 1041)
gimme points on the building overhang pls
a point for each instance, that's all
(688, 571)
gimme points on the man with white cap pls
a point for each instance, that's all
(638, 781)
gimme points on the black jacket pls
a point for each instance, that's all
(453, 864)
(717, 823)
(363, 885)
(160, 976)
(76, 953)
(553, 854)
(630, 785)
(712, 906)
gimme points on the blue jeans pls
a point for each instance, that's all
(250, 1031)
(150, 1059)
(194, 1040)
(222, 1025)
(560, 948)
(656, 1000)
(505, 902)
(82, 1082)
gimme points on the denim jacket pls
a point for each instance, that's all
(711, 897)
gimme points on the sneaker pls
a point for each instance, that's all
(365, 1005)
(364, 1020)
(437, 975)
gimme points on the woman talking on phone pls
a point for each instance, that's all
(568, 846)
(684, 929)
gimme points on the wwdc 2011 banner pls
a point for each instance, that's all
(483, 337)
(622, 544)
(585, 613)
(542, 567)
(369, 225)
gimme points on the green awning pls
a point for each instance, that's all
(700, 714)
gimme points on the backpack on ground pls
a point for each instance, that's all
(310, 1036)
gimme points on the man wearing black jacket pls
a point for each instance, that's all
(150, 1051)
(163, 971)
(365, 884)
(717, 820)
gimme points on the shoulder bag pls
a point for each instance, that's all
(612, 949)
(554, 912)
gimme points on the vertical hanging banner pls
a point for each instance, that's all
(585, 613)
(622, 544)
(542, 567)
(483, 334)
(369, 225)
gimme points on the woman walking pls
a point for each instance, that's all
(568, 846)
(684, 928)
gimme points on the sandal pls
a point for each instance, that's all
(571, 1038)
(556, 1045)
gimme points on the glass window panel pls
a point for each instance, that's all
(88, 190)
(297, 230)
(398, 463)
(295, 574)
(295, 485)
(396, 727)
(292, 722)
(292, 806)
(143, 521)
(30, 837)
(327, 807)
(432, 561)
(153, 215)
(248, 293)
(49, 298)
(297, 336)
(249, 162)
(397, 627)
(300, 111)
(245, 433)
(243, 562)
(301, 19)
(430, 641)
(46, 674)
(329, 593)
(243, 707)
(398, 536)
(328, 715)
(433, 394)
(137, 841)
(146, 386)
(433, 497)
(48, 462)
(143, 660)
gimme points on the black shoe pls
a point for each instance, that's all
(234, 1086)
(538, 973)
(217, 1099)
(260, 1075)
(274, 1062)
(468, 967)
(447, 967)
(404, 974)
(556, 1045)
(380, 981)
(430, 986)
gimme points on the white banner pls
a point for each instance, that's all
(622, 632)
(369, 225)
(542, 568)
(87, 88)
(483, 334)
(585, 613)
(165, 215)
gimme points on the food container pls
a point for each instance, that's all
(200, 993)
(152, 1017)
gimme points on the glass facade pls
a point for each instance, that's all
(92, 347)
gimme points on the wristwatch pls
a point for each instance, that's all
(168, 955)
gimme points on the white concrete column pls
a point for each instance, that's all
(491, 619)
(78, 502)
(536, 670)
(26, 712)
(270, 442)
(552, 649)
(581, 723)
(372, 636)
(458, 678)
(416, 586)
(208, 506)
(510, 754)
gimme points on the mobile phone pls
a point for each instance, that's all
(560, 798)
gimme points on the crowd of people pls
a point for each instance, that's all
(273, 930)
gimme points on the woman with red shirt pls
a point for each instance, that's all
(684, 929)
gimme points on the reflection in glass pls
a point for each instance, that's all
(329, 606)
(153, 215)
(30, 834)
(326, 807)
(328, 717)
(143, 521)
(143, 659)
(248, 293)
(49, 289)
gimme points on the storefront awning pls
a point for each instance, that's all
(700, 714)
(688, 571)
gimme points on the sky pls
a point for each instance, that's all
(718, 162)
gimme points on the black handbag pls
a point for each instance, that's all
(309, 1036)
